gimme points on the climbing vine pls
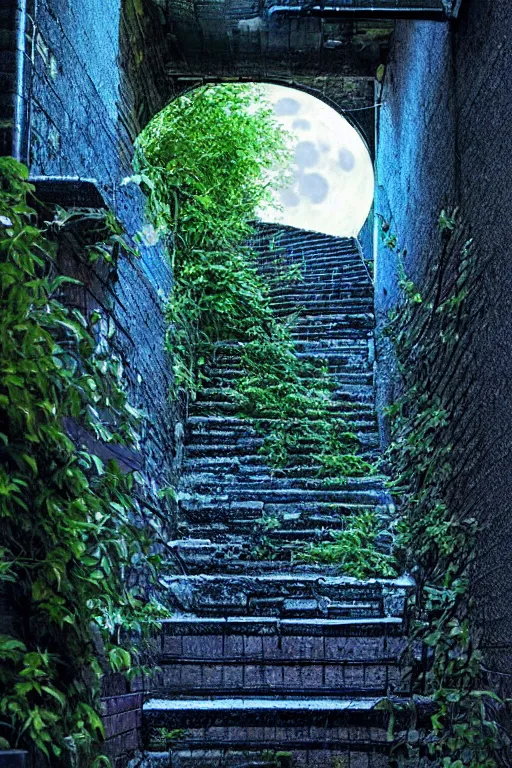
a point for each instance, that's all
(69, 527)
(437, 540)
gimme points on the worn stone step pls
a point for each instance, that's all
(305, 292)
(287, 656)
(287, 495)
(320, 306)
(363, 412)
(240, 514)
(247, 554)
(205, 758)
(290, 249)
(255, 467)
(300, 253)
(321, 310)
(263, 758)
(305, 455)
(323, 261)
(298, 724)
(336, 367)
(328, 267)
(363, 415)
(347, 393)
(339, 343)
(230, 351)
(261, 476)
(344, 275)
(224, 438)
(319, 333)
(224, 443)
(225, 594)
(315, 517)
(337, 320)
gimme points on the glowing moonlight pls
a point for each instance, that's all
(332, 183)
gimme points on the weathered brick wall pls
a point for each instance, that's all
(444, 138)
(97, 78)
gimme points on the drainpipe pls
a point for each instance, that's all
(21, 105)
(444, 10)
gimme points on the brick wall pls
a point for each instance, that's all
(444, 139)
(91, 81)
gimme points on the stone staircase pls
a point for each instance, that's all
(266, 661)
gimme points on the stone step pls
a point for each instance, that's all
(224, 443)
(339, 373)
(364, 412)
(287, 595)
(312, 731)
(251, 466)
(245, 564)
(349, 392)
(364, 415)
(281, 479)
(304, 293)
(337, 320)
(248, 437)
(347, 382)
(331, 266)
(317, 306)
(292, 250)
(290, 495)
(322, 277)
(244, 518)
(278, 757)
(231, 350)
(316, 520)
(240, 514)
(341, 343)
(319, 332)
(230, 368)
(325, 262)
(215, 554)
(261, 656)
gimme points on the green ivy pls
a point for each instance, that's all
(436, 543)
(69, 524)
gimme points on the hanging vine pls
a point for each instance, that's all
(69, 523)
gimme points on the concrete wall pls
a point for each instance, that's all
(444, 139)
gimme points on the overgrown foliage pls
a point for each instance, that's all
(354, 549)
(207, 162)
(437, 543)
(68, 522)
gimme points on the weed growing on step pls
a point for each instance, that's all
(438, 537)
(353, 549)
(68, 522)
(207, 162)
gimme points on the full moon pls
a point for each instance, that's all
(332, 182)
